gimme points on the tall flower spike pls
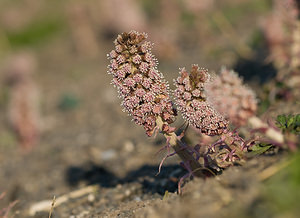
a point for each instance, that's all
(192, 102)
(231, 98)
(144, 93)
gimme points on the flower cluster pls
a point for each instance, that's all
(23, 108)
(279, 28)
(192, 102)
(231, 98)
(144, 93)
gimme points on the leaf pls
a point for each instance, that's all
(297, 123)
(166, 196)
(290, 120)
(290, 123)
(68, 102)
(260, 148)
(281, 121)
(298, 118)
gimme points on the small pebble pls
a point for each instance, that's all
(108, 154)
(128, 146)
(91, 197)
(138, 199)
(127, 192)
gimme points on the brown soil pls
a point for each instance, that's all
(95, 144)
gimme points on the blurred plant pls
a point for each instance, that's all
(282, 32)
(196, 6)
(68, 102)
(201, 113)
(289, 123)
(282, 191)
(238, 103)
(8, 139)
(231, 98)
(290, 126)
(83, 33)
(278, 29)
(108, 20)
(35, 33)
(23, 108)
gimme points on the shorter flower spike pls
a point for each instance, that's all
(191, 101)
(144, 93)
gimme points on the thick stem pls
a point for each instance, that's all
(182, 152)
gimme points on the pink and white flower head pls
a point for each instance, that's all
(192, 102)
(231, 98)
(144, 93)
(278, 29)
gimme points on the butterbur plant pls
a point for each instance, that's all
(231, 97)
(282, 33)
(238, 104)
(23, 109)
(144, 93)
(191, 101)
(146, 97)
(197, 108)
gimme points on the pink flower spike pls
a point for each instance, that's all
(144, 94)
(193, 104)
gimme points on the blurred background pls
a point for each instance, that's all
(61, 127)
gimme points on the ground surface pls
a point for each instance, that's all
(96, 144)
(87, 141)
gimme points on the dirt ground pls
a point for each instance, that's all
(97, 145)
(97, 163)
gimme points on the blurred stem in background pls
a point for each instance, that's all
(4, 43)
